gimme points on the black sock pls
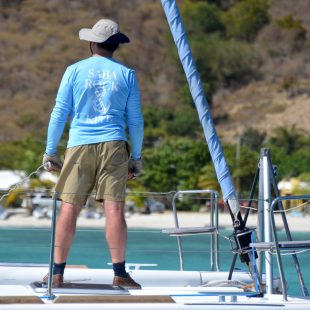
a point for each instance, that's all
(59, 268)
(119, 269)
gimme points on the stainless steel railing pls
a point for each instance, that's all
(178, 232)
(277, 244)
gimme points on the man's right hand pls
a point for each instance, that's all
(51, 162)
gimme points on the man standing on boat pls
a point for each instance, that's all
(102, 97)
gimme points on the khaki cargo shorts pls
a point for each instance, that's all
(101, 166)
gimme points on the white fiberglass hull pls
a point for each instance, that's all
(160, 290)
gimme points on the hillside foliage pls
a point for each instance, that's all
(235, 43)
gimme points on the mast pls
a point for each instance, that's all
(195, 84)
(242, 235)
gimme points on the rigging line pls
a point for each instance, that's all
(224, 237)
(14, 228)
(293, 208)
(23, 181)
(294, 252)
(128, 194)
(152, 193)
(104, 246)
(250, 208)
(132, 250)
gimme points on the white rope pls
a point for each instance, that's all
(292, 208)
(294, 252)
(224, 237)
(146, 194)
(250, 208)
(23, 181)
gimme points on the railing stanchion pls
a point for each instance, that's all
(50, 294)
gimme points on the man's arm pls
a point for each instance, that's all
(135, 120)
(59, 114)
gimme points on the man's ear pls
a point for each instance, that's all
(91, 47)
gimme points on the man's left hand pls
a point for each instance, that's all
(134, 168)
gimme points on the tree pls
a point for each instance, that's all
(246, 18)
(174, 164)
(253, 139)
(208, 179)
(289, 139)
(201, 17)
(23, 155)
(242, 168)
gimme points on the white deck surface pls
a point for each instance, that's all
(182, 289)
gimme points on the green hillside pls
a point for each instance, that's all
(253, 57)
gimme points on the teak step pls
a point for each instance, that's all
(4, 300)
(115, 299)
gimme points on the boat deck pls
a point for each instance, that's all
(20, 288)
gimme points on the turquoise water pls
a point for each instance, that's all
(31, 245)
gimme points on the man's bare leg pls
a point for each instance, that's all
(116, 235)
(116, 230)
(65, 230)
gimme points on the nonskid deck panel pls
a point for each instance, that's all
(80, 288)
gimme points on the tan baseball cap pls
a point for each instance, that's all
(104, 31)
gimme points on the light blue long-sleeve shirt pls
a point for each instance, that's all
(102, 97)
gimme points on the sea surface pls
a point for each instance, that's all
(31, 245)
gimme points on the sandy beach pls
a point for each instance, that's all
(19, 218)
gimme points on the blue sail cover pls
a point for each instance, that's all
(178, 32)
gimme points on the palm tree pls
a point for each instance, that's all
(289, 139)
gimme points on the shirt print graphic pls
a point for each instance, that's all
(103, 82)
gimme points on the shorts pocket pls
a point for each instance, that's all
(119, 153)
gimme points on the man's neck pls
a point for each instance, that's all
(103, 54)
